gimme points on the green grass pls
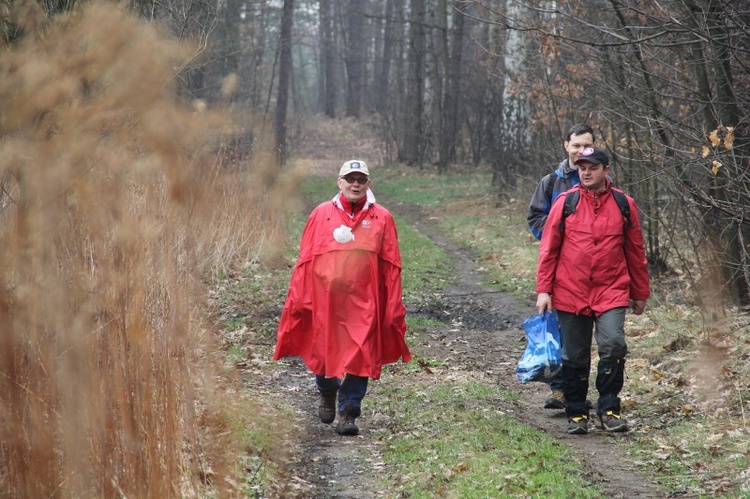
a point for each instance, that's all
(424, 265)
(428, 189)
(466, 208)
(453, 439)
(318, 189)
(235, 354)
(263, 460)
(421, 325)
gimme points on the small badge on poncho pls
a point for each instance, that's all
(343, 234)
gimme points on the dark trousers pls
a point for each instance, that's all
(351, 390)
(557, 383)
(576, 332)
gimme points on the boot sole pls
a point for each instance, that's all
(616, 429)
(327, 418)
(612, 429)
(347, 430)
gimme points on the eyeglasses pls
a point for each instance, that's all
(361, 180)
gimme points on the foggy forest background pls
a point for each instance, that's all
(665, 84)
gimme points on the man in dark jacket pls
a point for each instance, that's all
(578, 138)
(592, 266)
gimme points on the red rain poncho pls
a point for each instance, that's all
(344, 311)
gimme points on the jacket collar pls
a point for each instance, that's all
(607, 188)
(369, 202)
(565, 171)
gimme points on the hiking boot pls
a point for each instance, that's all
(346, 424)
(327, 407)
(612, 421)
(555, 401)
(578, 425)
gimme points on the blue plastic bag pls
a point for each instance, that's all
(542, 358)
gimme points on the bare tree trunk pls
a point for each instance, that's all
(321, 74)
(397, 95)
(730, 231)
(355, 57)
(382, 77)
(327, 59)
(411, 150)
(435, 70)
(231, 38)
(453, 83)
(254, 73)
(285, 72)
(633, 176)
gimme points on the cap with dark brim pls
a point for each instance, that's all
(593, 155)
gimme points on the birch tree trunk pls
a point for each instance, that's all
(515, 134)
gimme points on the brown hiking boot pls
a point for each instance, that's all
(327, 407)
(555, 401)
(578, 425)
(346, 425)
(613, 422)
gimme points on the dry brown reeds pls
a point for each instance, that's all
(113, 211)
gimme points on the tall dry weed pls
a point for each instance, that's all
(113, 210)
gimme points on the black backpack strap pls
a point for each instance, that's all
(571, 201)
(622, 202)
(550, 187)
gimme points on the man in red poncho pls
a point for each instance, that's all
(592, 266)
(344, 314)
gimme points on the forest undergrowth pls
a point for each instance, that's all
(687, 374)
(686, 393)
(116, 211)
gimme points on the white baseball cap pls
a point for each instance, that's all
(352, 166)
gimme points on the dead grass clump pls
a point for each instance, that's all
(112, 209)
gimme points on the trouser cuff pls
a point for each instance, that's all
(608, 403)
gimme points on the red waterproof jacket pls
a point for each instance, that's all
(598, 262)
(344, 312)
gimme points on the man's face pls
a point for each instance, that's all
(593, 176)
(575, 145)
(354, 186)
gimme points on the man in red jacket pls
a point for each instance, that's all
(592, 266)
(344, 313)
(578, 138)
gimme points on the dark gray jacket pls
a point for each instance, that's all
(561, 179)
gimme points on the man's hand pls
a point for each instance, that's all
(638, 306)
(544, 303)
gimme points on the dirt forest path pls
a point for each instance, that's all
(484, 342)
